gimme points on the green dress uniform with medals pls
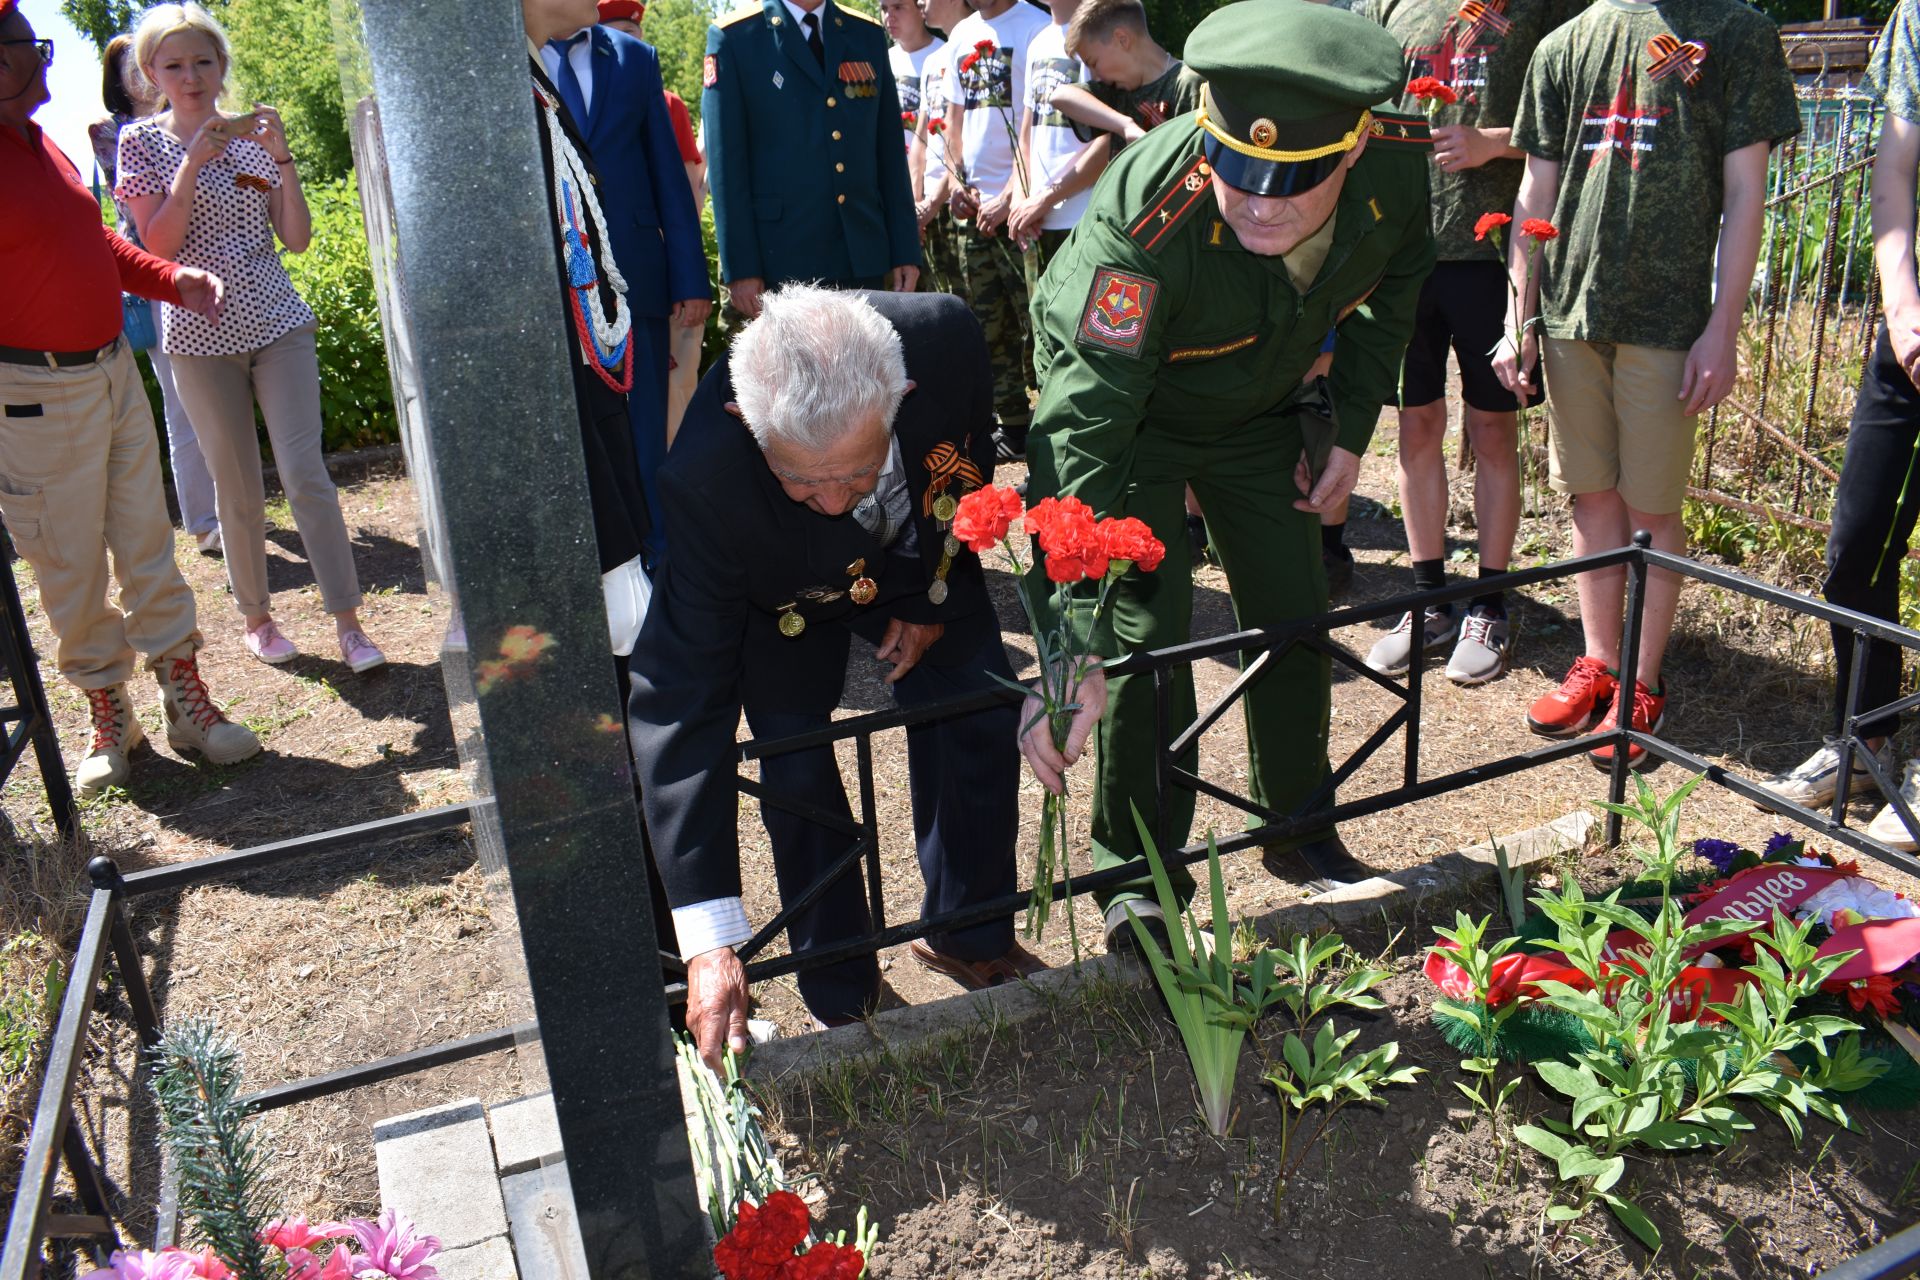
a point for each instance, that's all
(1171, 355)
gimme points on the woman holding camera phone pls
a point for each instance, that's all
(212, 191)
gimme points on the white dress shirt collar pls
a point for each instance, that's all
(800, 17)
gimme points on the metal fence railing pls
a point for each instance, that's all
(85, 1216)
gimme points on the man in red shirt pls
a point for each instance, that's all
(79, 465)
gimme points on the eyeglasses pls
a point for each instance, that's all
(42, 48)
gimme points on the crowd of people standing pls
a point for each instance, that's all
(1188, 287)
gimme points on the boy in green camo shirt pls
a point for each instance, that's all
(1646, 128)
(1479, 49)
(1133, 83)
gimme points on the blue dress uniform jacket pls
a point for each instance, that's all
(809, 178)
(643, 184)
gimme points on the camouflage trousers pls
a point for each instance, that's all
(940, 246)
(998, 291)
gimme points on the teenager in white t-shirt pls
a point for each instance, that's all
(1060, 167)
(939, 234)
(986, 90)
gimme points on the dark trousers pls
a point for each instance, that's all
(647, 410)
(1872, 523)
(963, 775)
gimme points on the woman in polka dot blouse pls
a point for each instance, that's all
(212, 191)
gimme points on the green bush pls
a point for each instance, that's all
(333, 275)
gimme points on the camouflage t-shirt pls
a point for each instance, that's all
(1895, 73)
(1174, 93)
(1480, 48)
(1639, 104)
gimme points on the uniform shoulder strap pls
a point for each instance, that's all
(741, 14)
(1152, 228)
(1398, 129)
(855, 13)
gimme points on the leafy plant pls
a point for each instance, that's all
(1483, 1013)
(1513, 883)
(1217, 1003)
(336, 280)
(1659, 1080)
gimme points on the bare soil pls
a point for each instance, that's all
(1072, 1145)
(360, 955)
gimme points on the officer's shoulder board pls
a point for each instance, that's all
(855, 13)
(1398, 129)
(741, 14)
(1152, 228)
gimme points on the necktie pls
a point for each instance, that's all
(814, 42)
(887, 512)
(568, 83)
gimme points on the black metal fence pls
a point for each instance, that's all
(54, 1142)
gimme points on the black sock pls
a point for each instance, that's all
(1429, 575)
(1494, 602)
(1333, 539)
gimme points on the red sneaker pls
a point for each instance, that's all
(1649, 713)
(1576, 704)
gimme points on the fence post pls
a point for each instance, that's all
(16, 649)
(1629, 673)
(105, 875)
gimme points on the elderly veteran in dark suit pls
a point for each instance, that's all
(810, 505)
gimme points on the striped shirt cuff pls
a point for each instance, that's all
(707, 926)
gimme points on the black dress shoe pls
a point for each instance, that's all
(1319, 866)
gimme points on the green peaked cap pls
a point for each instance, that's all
(1288, 82)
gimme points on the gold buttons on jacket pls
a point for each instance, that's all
(830, 102)
(839, 168)
(836, 135)
(841, 199)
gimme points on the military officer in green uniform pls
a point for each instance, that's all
(1174, 331)
(803, 151)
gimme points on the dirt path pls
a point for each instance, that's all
(362, 955)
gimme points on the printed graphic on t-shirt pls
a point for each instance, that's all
(909, 89)
(1458, 60)
(1045, 76)
(1621, 125)
(986, 79)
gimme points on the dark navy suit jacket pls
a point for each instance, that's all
(743, 553)
(643, 184)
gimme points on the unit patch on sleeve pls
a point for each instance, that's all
(712, 70)
(1117, 310)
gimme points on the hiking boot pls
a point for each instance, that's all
(1481, 654)
(1581, 699)
(1392, 654)
(193, 722)
(1886, 826)
(1814, 781)
(1339, 569)
(116, 731)
(1649, 713)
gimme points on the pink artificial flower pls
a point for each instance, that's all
(208, 1266)
(394, 1247)
(295, 1233)
(168, 1264)
(302, 1264)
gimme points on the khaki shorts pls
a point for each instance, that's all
(1617, 423)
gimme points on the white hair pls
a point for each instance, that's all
(813, 365)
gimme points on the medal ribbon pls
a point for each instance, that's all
(1485, 13)
(944, 465)
(1670, 56)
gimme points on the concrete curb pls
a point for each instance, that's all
(1450, 876)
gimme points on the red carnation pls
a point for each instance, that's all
(784, 1218)
(825, 1261)
(908, 119)
(1433, 90)
(984, 46)
(966, 63)
(1490, 222)
(1875, 993)
(1540, 229)
(983, 516)
(1129, 539)
(737, 1263)
(1070, 537)
(937, 124)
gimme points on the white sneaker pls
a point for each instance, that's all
(1887, 827)
(210, 544)
(1812, 783)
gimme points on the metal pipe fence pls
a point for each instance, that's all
(55, 1143)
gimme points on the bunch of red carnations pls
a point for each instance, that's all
(764, 1238)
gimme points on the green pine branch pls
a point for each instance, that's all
(207, 1132)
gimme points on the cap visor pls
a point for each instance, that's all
(1269, 177)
